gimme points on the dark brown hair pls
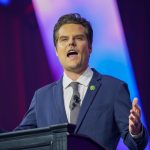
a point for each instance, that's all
(73, 18)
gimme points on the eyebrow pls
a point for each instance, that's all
(78, 35)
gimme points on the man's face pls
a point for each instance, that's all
(73, 48)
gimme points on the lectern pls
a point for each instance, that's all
(57, 137)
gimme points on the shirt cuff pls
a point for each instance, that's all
(137, 135)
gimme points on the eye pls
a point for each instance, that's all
(80, 38)
(63, 39)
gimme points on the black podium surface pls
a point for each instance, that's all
(58, 137)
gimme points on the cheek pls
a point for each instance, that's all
(86, 52)
(59, 51)
(61, 56)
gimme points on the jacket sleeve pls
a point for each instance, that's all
(122, 108)
(29, 120)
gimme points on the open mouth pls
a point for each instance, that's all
(71, 52)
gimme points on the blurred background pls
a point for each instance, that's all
(28, 60)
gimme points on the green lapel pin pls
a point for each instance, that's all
(92, 87)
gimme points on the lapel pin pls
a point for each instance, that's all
(92, 87)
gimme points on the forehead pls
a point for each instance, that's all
(71, 29)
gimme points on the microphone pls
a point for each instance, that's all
(76, 99)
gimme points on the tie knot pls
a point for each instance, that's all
(74, 85)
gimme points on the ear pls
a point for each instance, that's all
(56, 51)
(90, 50)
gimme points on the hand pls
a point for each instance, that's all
(135, 125)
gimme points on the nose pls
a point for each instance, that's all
(72, 42)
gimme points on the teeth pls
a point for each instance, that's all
(71, 52)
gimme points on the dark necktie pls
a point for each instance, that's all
(74, 103)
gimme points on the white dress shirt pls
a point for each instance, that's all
(83, 81)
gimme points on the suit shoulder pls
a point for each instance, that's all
(114, 84)
(112, 80)
(107, 78)
(47, 87)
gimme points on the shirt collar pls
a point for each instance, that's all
(84, 79)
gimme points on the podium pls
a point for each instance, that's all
(57, 137)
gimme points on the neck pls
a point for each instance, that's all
(74, 75)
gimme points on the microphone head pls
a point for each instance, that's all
(76, 99)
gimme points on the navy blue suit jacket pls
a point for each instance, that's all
(103, 115)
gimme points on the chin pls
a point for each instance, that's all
(77, 70)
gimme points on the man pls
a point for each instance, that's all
(103, 110)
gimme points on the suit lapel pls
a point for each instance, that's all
(59, 102)
(89, 97)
